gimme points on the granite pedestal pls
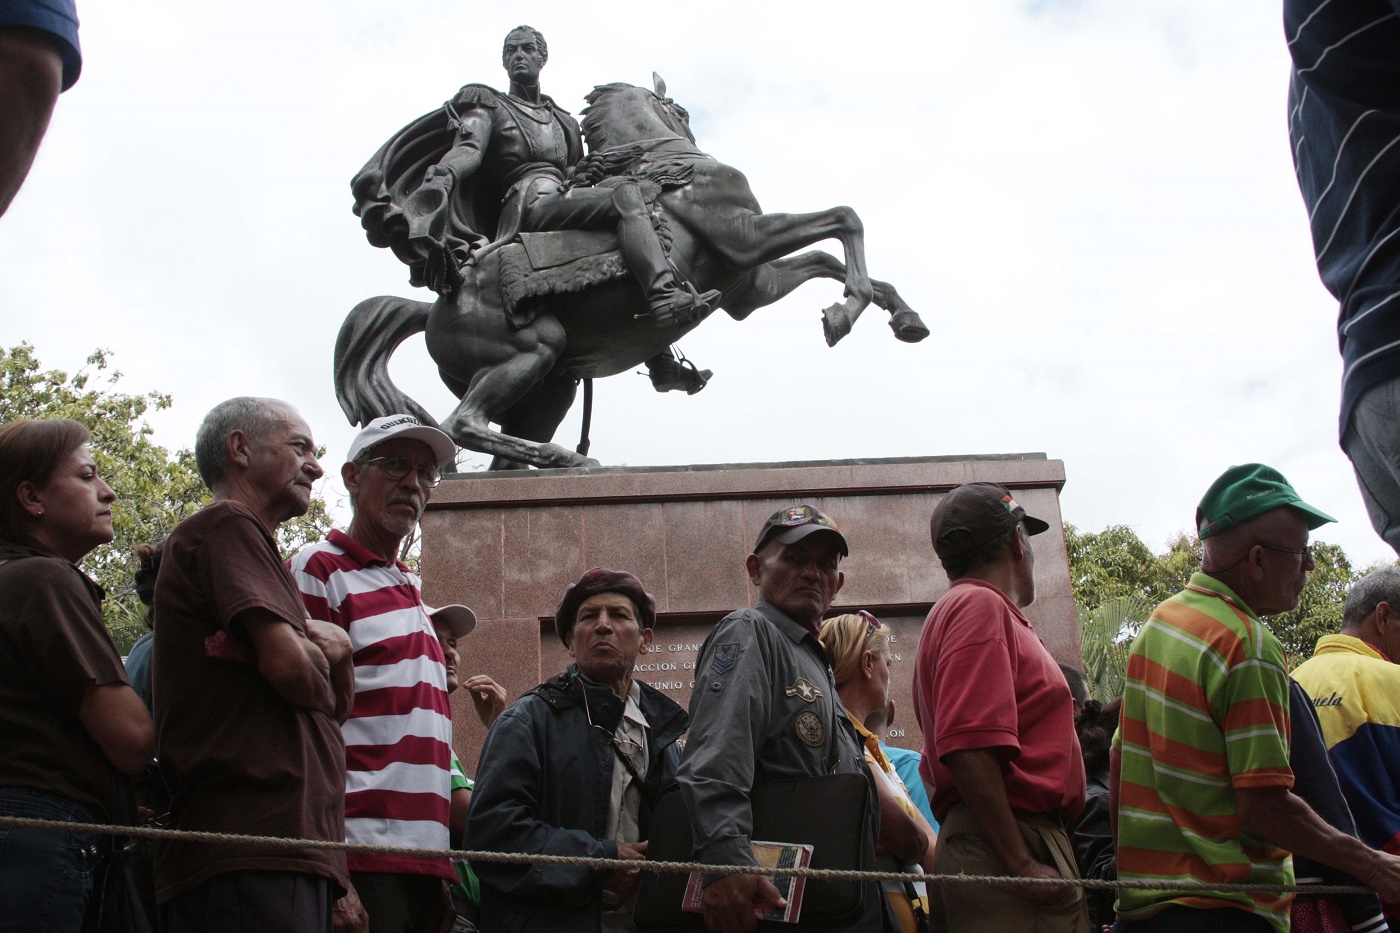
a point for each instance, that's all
(507, 544)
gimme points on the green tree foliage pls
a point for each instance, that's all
(155, 488)
(1117, 580)
(1115, 563)
(1104, 636)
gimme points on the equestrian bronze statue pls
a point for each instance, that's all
(551, 266)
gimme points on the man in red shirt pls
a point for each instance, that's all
(998, 722)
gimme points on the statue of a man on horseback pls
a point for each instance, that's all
(505, 173)
(551, 267)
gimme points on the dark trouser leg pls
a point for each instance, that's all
(252, 902)
(1372, 441)
(400, 903)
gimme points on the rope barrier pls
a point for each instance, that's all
(519, 858)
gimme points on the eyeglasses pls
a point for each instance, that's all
(1305, 553)
(627, 747)
(872, 624)
(399, 467)
(633, 755)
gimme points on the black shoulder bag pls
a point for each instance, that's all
(116, 905)
(830, 812)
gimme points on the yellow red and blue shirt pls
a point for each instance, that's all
(1356, 692)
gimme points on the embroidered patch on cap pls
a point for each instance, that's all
(805, 514)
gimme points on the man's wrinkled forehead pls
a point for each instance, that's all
(287, 422)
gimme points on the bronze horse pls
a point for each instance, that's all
(520, 368)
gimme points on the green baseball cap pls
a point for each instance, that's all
(1245, 492)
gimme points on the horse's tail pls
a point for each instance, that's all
(372, 331)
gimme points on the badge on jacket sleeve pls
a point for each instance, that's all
(810, 728)
(803, 689)
(726, 656)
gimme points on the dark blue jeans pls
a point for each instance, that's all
(45, 874)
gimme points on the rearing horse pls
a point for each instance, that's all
(520, 368)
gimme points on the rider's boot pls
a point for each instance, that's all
(669, 302)
(669, 374)
(677, 306)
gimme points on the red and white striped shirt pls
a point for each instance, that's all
(398, 739)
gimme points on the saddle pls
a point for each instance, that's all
(556, 262)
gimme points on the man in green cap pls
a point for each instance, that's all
(1201, 778)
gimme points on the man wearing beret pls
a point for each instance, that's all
(765, 706)
(998, 723)
(574, 767)
(1200, 774)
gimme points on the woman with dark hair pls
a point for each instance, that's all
(67, 716)
(1092, 833)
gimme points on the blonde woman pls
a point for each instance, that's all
(858, 647)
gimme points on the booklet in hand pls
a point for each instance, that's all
(767, 855)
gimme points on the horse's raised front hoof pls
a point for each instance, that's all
(908, 326)
(836, 323)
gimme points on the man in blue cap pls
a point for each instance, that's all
(1201, 780)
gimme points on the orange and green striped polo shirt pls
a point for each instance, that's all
(1205, 711)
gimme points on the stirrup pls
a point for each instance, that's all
(684, 306)
(672, 375)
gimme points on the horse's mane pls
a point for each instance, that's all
(604, 102)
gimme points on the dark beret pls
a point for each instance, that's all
(602, 580)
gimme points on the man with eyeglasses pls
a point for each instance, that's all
(1200, 773)
(1000, 746)
(574, 767)
(398, 737)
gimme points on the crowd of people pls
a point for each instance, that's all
(307, 700)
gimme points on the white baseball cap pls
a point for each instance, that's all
(382, 429)
(460, 620)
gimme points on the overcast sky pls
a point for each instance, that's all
(1090, 203)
